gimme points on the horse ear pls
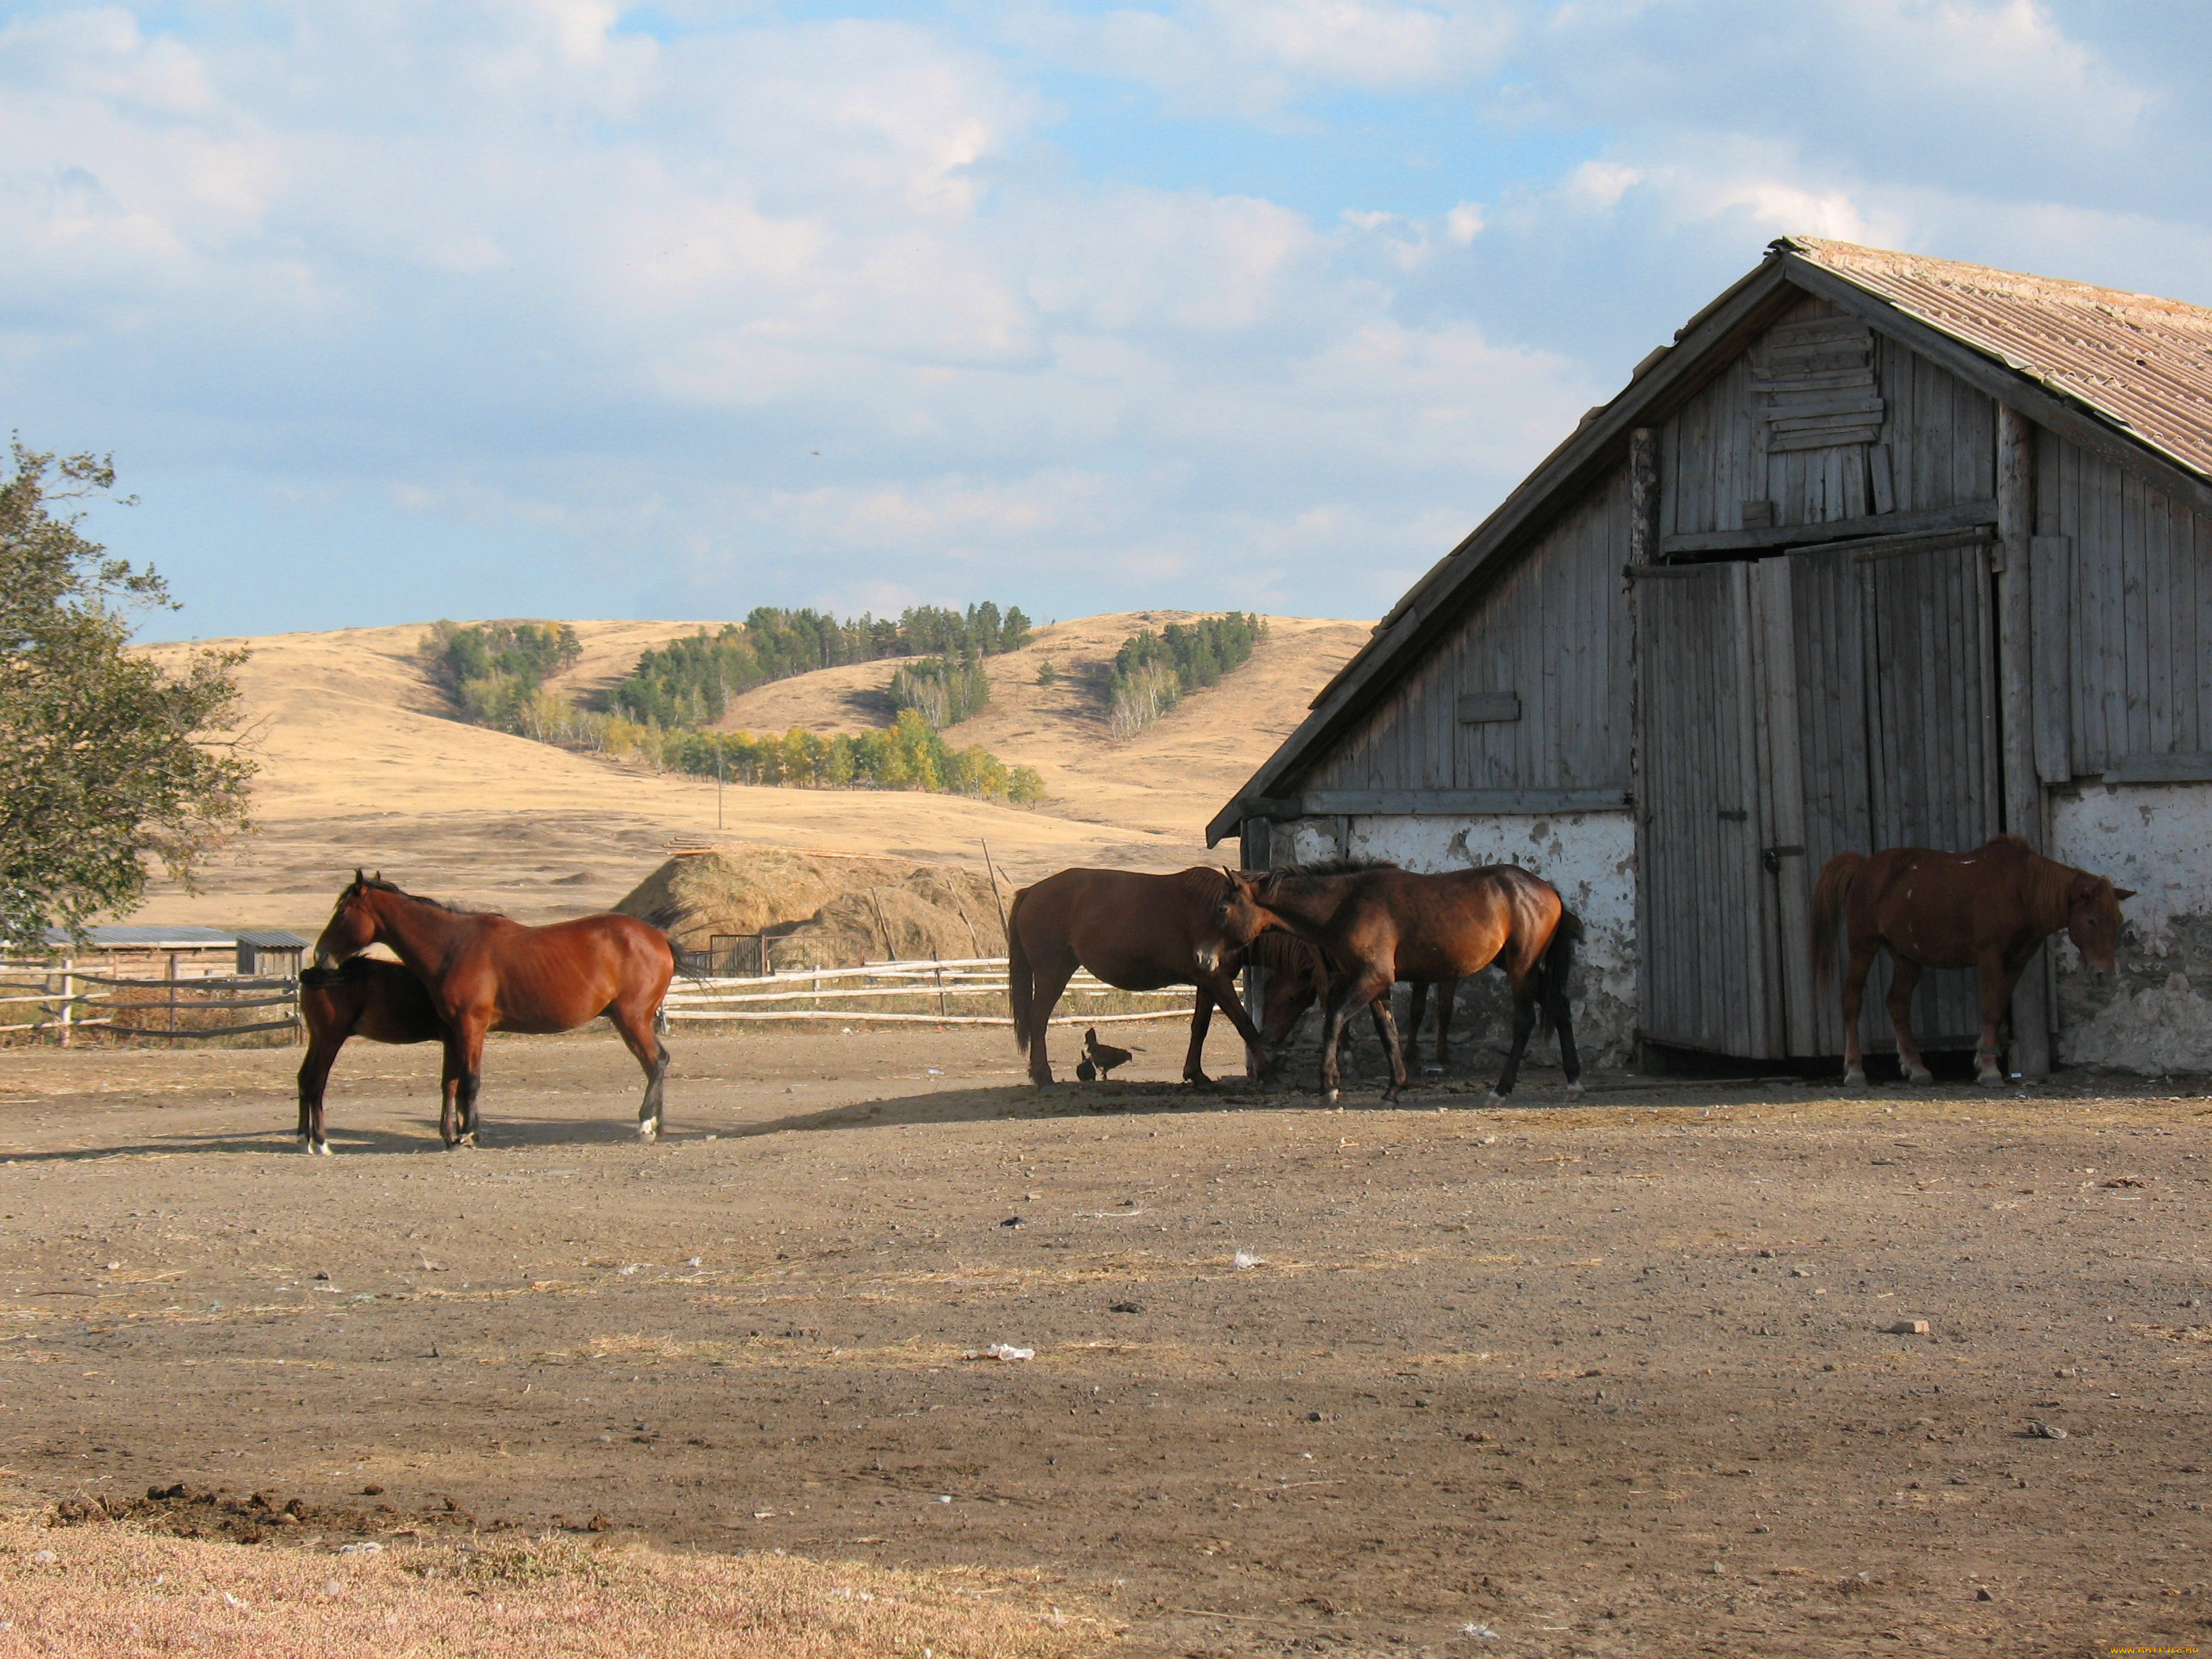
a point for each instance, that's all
(357, 877)
(2124, 893)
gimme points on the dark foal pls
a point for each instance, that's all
(1988, 909)
(1137, 932)
(485, 973)
(1382, 924)
(1298, 976)
(362, 997)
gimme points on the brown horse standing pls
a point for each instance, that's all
(364, 997)
(1135, 932)
(1382, 924)
(485, 973)
(1987, 909)
(1298, 976)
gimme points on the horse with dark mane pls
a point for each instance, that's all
(1135, 932)
(485, 973)
(1988, 909)
(1380, 924)
(364, 997)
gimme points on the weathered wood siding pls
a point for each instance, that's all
(2123, 619)
(1552, 633)
(1936, 448)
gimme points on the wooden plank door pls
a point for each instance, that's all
(1897, 713)
(1704, 916)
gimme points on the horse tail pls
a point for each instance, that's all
(1829, 893)
(1557, 959)
(1019, 980)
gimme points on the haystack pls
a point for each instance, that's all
(818, 909)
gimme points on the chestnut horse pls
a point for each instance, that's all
(1135, 932)
(1382, 924)
(1298, 976)
(485, 973)
(364, 997)
(1987, 909)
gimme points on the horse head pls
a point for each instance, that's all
(2092, 920)
(1239, 916)
(352, 927)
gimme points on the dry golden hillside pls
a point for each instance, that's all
(362, 764)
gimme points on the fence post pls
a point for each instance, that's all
(69, 997)
(173, 999)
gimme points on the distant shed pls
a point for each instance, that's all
(1882, 550)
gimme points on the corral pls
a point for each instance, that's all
(1619, 1378)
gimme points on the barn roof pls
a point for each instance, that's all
(2128, 376)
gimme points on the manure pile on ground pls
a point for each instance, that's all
(818, 909)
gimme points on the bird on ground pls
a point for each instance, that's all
(1099, 1057)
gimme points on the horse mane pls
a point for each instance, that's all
(383, 886)
(1318, 867)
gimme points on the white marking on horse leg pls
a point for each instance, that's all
(1208, 958)
(1574, 1090)
(1493, 1098)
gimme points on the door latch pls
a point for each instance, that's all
(1773, 857)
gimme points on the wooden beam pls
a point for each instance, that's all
(1964, 516)
(1457, 803)
(2188, 767)
(2023, 789)
(1896, 547)
(1487, 707)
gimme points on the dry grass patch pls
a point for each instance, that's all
(116, 1589)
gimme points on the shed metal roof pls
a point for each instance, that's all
(140, 937)
(2129, 375)
(2145, 363)
(271, 939)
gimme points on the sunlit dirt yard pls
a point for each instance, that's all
(1618, 1378)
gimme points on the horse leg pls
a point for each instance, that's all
(314, 1076)
(1904, 979)
(464, 1077)
(1331, 1032)
(1223, 989)
(640, 1036)
(1050, 980)
(1417, 1008)
(1201, 1019)
(1447, 994)
(1563, 1021)
(1997, 977)
(1855, 978)
(1524, 1024)
(1385, 1027)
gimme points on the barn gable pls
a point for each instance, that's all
(1883, 550)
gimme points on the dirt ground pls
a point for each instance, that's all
(1435, 1379)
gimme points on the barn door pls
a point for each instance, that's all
(1704, 916)
(1897, 723)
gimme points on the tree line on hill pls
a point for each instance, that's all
(496, 674)
(689, 682)
(1153, 673)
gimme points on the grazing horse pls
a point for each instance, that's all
(1382, 924)
(485, 973)
(1987, 909)
(1137, 933)
(364, 997)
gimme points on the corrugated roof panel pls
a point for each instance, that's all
(136, 938)
(2142, 361)
(271, 939)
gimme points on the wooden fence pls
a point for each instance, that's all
(64, 999)
(971, 990)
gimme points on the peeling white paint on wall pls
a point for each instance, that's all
(1590, 857)
(2157, 1016)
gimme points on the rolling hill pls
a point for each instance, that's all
(363, 764)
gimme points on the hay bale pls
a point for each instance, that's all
(820, 909)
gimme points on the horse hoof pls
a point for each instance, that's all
(1198, 1079)
(320, 1148)
(1920, 1074)
(1493, 1098)
(1574, 1092)
(649, 1130)
(1329, 1096)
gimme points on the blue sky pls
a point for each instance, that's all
(566, 308)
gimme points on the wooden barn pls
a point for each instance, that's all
(1882, 551)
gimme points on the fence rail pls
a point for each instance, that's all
(65, 1010)
(859, 993)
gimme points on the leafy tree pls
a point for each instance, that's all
(104, 760)
(1153, 672)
